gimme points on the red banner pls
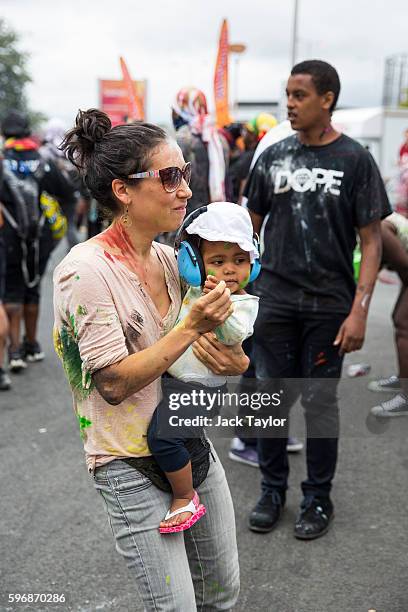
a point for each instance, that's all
(114, 99)
(221, 79)
(135, 105)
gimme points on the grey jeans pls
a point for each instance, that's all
(179, 572)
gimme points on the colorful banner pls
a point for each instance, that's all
(135, 105)
(221, 79)
(113, 99)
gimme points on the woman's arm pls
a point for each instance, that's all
(120, 380)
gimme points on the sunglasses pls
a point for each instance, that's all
(170, 177)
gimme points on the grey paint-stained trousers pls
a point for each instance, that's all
(179, 572)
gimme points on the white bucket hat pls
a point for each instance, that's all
(226, 222)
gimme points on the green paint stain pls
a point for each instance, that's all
(76, 277)
(167, 579)
(228, 245)
(219, 334)
(244, 282)
(211, 272)
(73, 325)
(83, 424)
(81, 310)
(72, 362)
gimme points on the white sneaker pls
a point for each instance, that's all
(237, 444)
(385, 385)
(397, 406)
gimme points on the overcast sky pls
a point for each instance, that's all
(174, 44)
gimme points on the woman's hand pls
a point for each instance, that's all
(210, 283)
(219, 358)
(210, 310)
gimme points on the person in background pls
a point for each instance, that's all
(30, 186)
(5, 382)
(202, 145)
(318, 187)
(54, 133)
(401, 191)
(403, 152)
(233, 135)
(394, 231)
(253, 133)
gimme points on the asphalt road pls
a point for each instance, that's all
(54, 536)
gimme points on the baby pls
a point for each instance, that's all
(217, 244)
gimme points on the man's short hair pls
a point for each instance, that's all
(324, 77)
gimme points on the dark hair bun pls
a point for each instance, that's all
(90, 128)
(92, 125)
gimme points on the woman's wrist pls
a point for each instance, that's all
(187, 331)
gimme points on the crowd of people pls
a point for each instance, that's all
(134, 324)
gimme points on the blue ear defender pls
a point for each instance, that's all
(190, 264)
(189, 260)
(256, 264)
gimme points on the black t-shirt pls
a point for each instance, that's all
(316, 197)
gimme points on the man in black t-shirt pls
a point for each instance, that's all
(319, 188)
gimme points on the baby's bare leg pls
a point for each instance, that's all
(181, 482)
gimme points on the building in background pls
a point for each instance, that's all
(395, 91)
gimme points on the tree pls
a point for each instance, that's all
(14, 75)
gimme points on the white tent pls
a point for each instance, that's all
(360, 123)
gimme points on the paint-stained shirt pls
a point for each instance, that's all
(102, 315)
(316, 198)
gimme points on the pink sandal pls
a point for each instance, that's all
(198, 510)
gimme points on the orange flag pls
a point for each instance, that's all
(134, 102)
(221, 79)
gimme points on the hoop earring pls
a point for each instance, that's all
(125, 219)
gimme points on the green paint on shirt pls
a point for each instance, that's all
(81, 310)
(167, 579)
(83, 423)
(219, 334)
(72, 362)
